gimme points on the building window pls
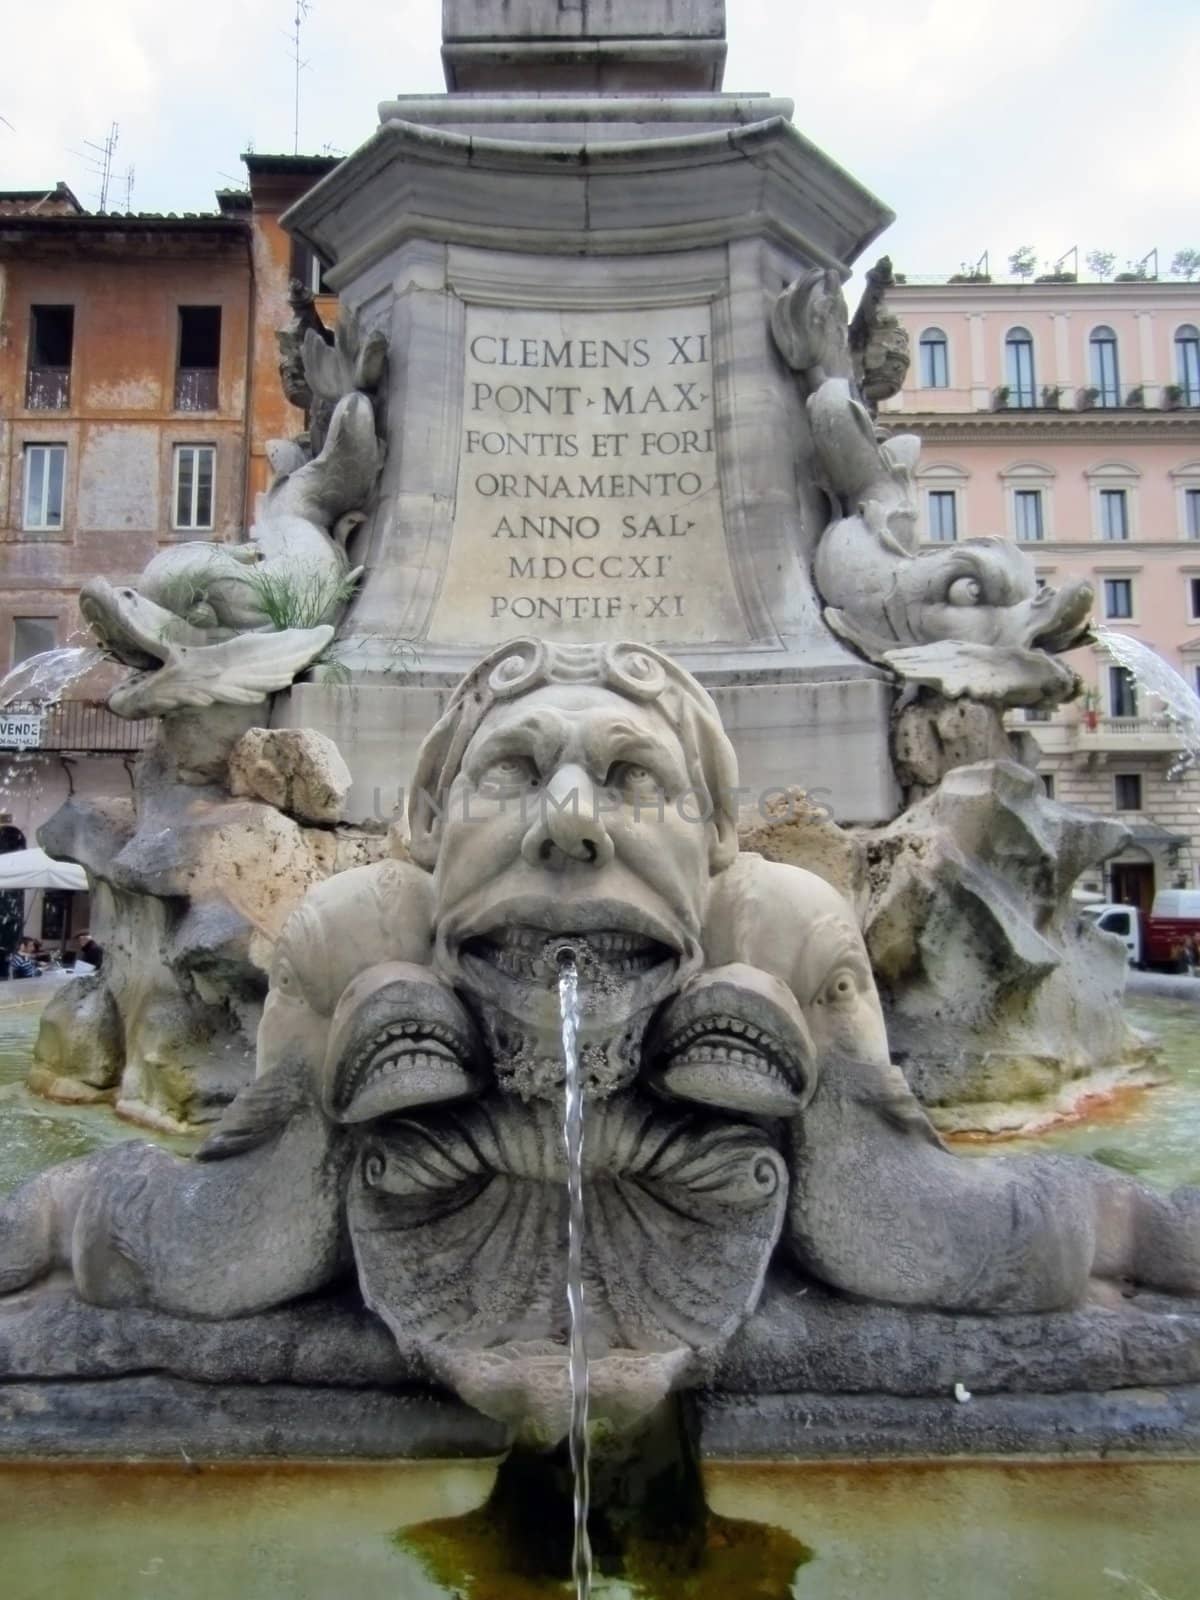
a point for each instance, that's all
(943, 516)
(1106, 372)
(1048, 784)
(31, 636)
(935, 360)
(199, 360)
(51, 342)
(192, 495)
(1127, 791)
(1027, 514)
(1118, 599)
(45, 475)
(1191, 513)
(1194, 599)
(1187, 363)
(1122, 693)
(1018, 367)
(1114, 514)
(308, 269)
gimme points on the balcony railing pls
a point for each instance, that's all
(48, 388)
(1023, 397)
(1112, 397)
(196, 389)
(83, 726)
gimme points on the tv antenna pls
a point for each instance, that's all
(1073, 253)
(101, 160)
(303, 7)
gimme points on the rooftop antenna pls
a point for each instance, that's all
(1150, 254)
(101, 162)
(127, 180)
(1073, 252)
(303, 7)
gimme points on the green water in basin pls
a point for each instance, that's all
(1152, 1133)
(910, 1531)
(35, 1133)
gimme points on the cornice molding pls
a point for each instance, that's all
(1056, 426)
(653, 194)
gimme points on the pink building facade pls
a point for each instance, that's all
(1066, 417)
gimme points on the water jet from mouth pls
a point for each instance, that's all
(568, 1000)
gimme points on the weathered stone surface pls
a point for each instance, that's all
(931, 736)
(815, 1427)
(166, 1417)
(802, 1339)
(190, 890)
(296, 770)
(796, 828)
(48, 1332)
(80, 1048)
(999, 998)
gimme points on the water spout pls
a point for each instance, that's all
(568, 1000)
(44, 678)
(1159, 679)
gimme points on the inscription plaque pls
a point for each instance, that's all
(588, 501)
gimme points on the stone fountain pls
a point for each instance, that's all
(624, 289)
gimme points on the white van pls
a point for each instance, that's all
(1178, 904)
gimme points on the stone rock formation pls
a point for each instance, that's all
(190, 887)
(1002, 1002)
(293, 769)
(746, 1121)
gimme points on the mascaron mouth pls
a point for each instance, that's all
(601, 956)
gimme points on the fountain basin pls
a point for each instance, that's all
(313, 1530)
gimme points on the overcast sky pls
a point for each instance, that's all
(984, 124)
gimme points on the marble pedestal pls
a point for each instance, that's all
(827, 737)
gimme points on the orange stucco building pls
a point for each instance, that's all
(138, 389)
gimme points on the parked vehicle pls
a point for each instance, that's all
(1167, 938)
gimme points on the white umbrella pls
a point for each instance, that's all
(34, 869)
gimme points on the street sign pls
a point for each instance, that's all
(20, 732)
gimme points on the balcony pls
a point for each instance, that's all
(80, 727)
(1011, 397)
(1087, 733)
(1114, 397)
(48, 388)
(196, 389)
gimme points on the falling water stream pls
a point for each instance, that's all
(43, 679)
(1159, 679)
(568, 1000)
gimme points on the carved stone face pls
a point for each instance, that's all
(572, 825)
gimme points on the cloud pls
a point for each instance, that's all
(982, 123)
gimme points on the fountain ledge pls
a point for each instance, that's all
(809, 1376)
